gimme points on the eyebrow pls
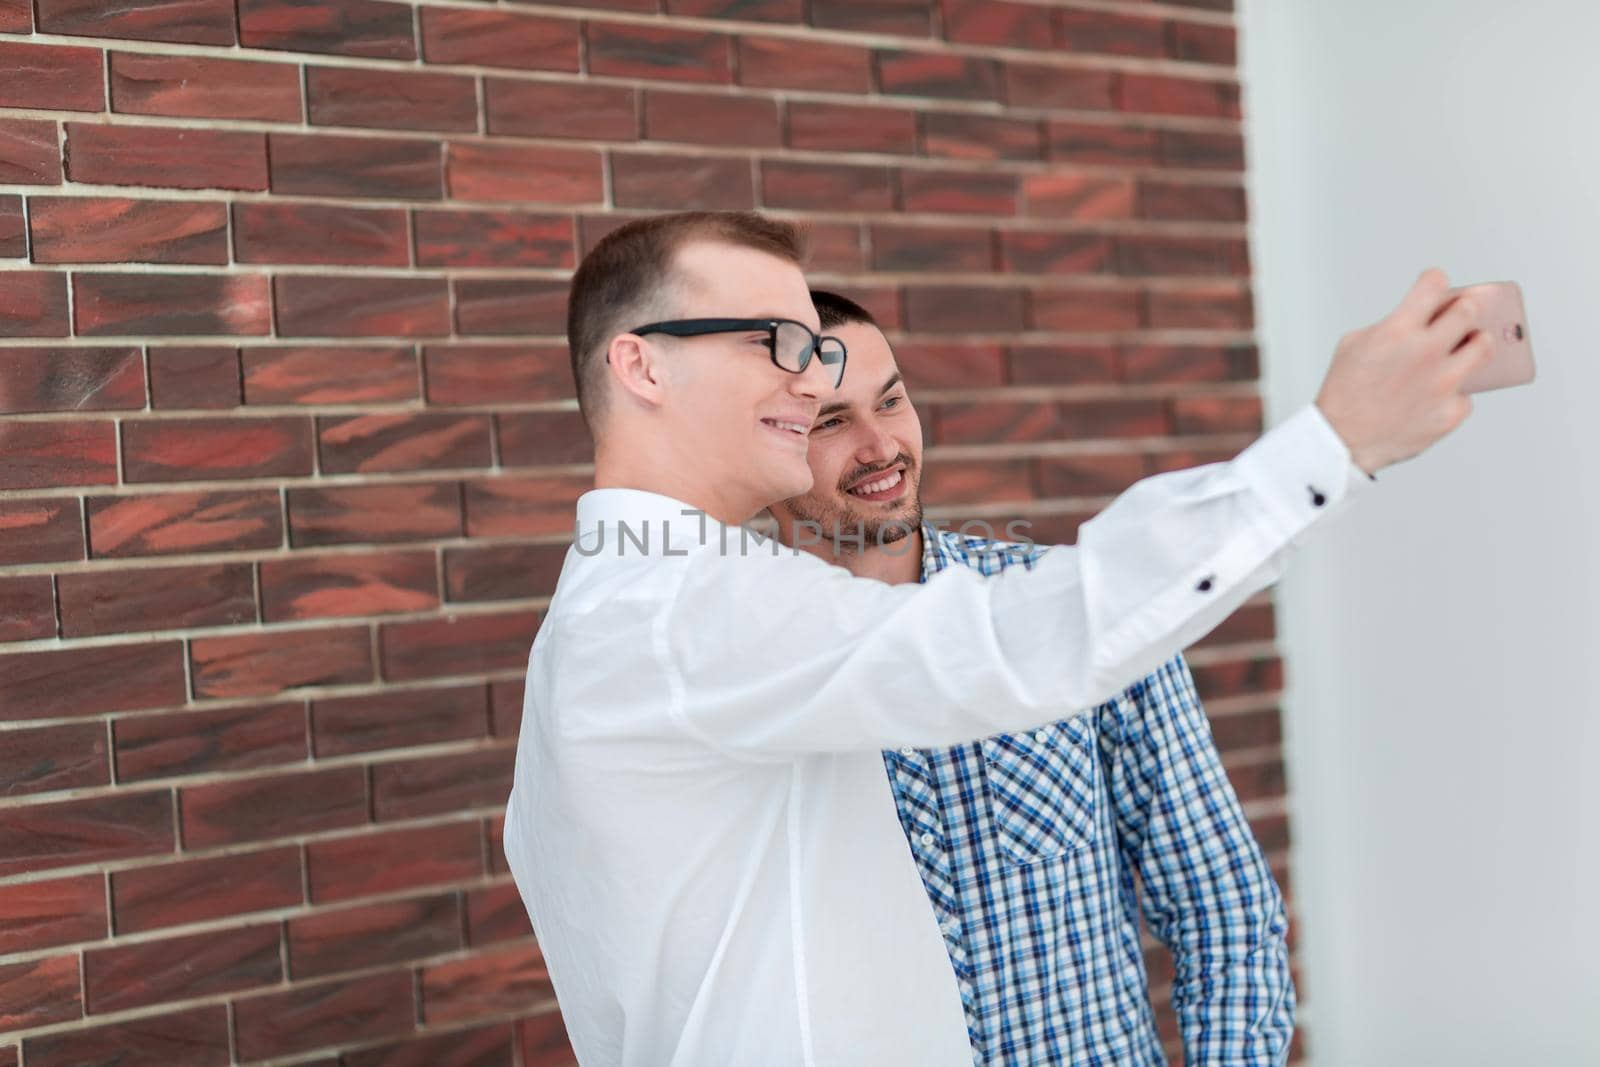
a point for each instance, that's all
(829, 409)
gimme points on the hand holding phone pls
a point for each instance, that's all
(1505, 321)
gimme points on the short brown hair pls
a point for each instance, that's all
(835, 310)
(628, 272)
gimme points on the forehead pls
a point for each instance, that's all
(716, 279)
(869, 364)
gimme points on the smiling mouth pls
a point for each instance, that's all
(788, 427)
(885, 486)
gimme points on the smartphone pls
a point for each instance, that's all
(1505, 320)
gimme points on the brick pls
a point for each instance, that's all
(802, 63)
(1078, 196)
(398, 719)
(959, 136)
(391, 442)
(197, 1036)
(1210, 307)
(13, 228)
(320, 234)
(1147, 255)
(488, 983)
(543, 1040)
(174, 894)
(70, 682)
(1217, 414)
(71, 379)
(529, 505)
(1202, 149)
(499, 39)
(505, 714)
(49, 454)
(949, 366)
(495, 830)
(1076, 142)
(197, 376)
(389, 861)
(561, 109)
(951, 249)
(204, 87)
(441, 784)
(742, 10)
(1190, 363)
(628, 51)
(282, 805)
(47, 759)
(711, 118)
(1105, 33)
(40, 531)
(120, 305)
(33, 304)
(1062, 364)
(373, 935)
(533, 438)
(1163, 95)
(993, 421)
(51, 77)
(947, 309)
(330, 375)
(166, 157)
(968, 482)
(847, 128)
(519, 173)
(358, 1010)
(1085, 309)
(681, 183)
(1191, 203)
(178, 968)
(84, 229)
(93, 830)
(496, 914)
(1238, 677)
(997, 22)
(1057, 252)
(509, 307)
(494, 239)
(490, 1046)
(35, 915)
(16, 16)
(325, 165)
(177, 21)
(502, 572)
(368, 28)
(27, 612)
(162, 598)
(204, 742)
(151, 524)
(39, 992)
(456, 646)
(834, 247)
(209, 448)
(958, 192)
(934, 74)
(314, 305)
(374, 513)
(1113, 418)
(910, 17)
(376, 583)
(390, 99)
(826, 186)
(29, 152)
(1101, 474)
(263, 664)
(646, 6)
(1039, 85)
(1195, 42)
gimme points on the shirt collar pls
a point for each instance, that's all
(636, 522)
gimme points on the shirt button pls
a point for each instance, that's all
(926, 838)
(908, 752)
(1205, 584)
(1317, 499)
(1042, 736)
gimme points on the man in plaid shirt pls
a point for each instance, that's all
(1039, 850)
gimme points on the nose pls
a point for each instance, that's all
(876, 445)
(814, 383)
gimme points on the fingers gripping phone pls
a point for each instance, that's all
(1505, 320)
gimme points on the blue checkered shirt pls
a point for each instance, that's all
(1039, 849)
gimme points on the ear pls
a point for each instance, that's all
(633, 365)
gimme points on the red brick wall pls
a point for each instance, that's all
(287, 449)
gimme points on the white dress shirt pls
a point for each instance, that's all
(700, 825)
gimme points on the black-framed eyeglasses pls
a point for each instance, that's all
(791, 343)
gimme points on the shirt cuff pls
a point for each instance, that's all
(1301, 471)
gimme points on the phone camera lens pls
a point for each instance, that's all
(1517, 329)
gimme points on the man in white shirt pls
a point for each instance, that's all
(700, 825)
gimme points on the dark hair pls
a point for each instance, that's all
(628, 273)
(835, 310)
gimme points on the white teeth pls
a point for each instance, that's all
(878, 485)
(792, 427)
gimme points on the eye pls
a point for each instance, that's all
(893, 401)
(826, 424)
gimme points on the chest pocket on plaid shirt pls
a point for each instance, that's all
(1041, 788)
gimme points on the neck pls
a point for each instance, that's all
(617, 466)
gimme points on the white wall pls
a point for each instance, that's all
(1443, 639)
